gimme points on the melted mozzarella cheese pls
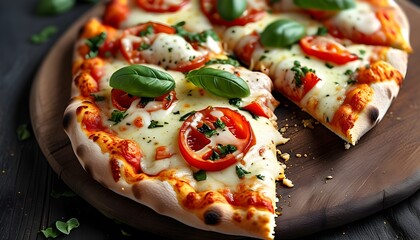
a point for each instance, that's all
(192, 98)
(169, 50)
(195, 21)
(362, 19)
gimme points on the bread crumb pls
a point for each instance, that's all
(285, 156)
(298, 155)
(288, 183)
(328, 177)
(308, 123)
(283, 130)
(347, 145)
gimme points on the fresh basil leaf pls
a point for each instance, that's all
(50, 232)
(23, 132)
(219, 82)
(330, 5)
(45, 34)
(282, 33)
(66, 227)
(142, 81)
(51, 7)
(231, 9)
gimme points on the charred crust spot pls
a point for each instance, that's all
(212, 217)
(373, 114)
(66, 120)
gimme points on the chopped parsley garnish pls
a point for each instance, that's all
(230, 61)
(207, 131)
(144, 46)
(194, 37)
(185, 116)
(225, 150)
(261, 177)
(362, 51)
(148, 31)
(351, 81)
(300, 72)
(214, 155)
(154, 124)
(329, 65)
(322, 31)
(145, 100)
(235, 102)
(200, 175)
(45, 34)
(220, 124)
(348, 72)
(117, 116)
(94, 43)
(97, 98)
(241, 172)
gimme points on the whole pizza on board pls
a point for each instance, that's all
(172, 107)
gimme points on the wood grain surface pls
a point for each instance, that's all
(380, 171)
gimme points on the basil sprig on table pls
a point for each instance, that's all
(282, 33)
(142, 81)
(219, 82)
(331, 5)
(231, 9)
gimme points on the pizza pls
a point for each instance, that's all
(171, 102)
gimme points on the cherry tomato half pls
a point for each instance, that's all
(198, 147)
(326, 49)
(209, 8)
(161, 6)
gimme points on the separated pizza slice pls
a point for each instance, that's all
(345, 85)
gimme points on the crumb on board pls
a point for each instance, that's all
(347, 145)
(288, 183)
(298, 155)
(285, 156)
(308, 123)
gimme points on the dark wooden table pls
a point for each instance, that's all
(28, 185)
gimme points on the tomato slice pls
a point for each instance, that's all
(116, 12)
(130, 47)
(257, 108)
(246, 47)
(121, 99)
(161, 6)
(326, 49)
(308, 82)
(209, 8)
(199, 148)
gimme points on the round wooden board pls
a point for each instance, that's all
(380, 171)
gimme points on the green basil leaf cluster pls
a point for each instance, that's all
(219, 82)
(51, 7)
(142, 81)
(282, 33)
(231, 9)
(330, 5)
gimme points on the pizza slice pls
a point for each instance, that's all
(150, 121)
(347, 84)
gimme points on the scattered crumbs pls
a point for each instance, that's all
(328, 177)
(283, 130)
(278, 151)
(347, 145)
(298, 155)
(308, 123)
(285, 156)
(295, 125)
(3, 171)
(398, 118)
(305, 155)
(344, 233)
(288, 183)
(289, 196)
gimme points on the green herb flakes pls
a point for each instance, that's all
(241, 172)
(117, 116)
(200, 175)
(45, 34)
(23, 132)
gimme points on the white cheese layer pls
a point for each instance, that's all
(192, 98)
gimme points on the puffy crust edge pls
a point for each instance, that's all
(160, 195)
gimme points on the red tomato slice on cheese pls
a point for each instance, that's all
(161, 6)
(201, 145)
(208, 7)
(326, 49)
(122, 100)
